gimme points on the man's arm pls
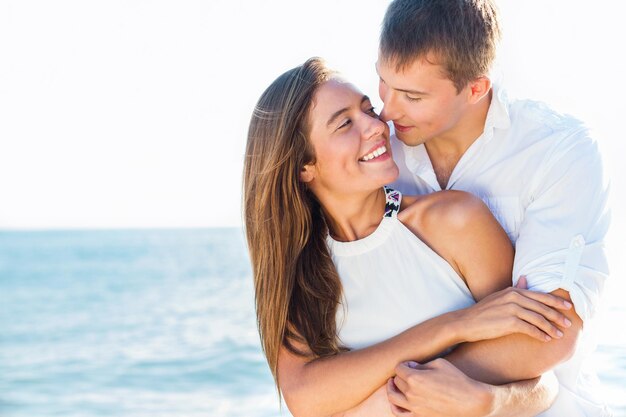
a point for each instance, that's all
(517, 357)
(561, 239)
(524, 398)
(560, 250)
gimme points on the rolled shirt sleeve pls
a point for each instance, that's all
(561, 237)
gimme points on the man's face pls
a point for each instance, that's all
(421, 101)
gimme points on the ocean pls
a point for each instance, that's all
(154, 323)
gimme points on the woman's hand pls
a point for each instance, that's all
(514, 310)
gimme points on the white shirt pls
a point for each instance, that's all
(542, 177)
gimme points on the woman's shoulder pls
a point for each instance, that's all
(450, 209)
(452, 223)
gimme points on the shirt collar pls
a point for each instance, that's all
(498, 115)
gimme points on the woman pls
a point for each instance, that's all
(342, 297)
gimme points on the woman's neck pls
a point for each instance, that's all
(353, 217)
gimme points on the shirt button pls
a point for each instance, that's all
(578, 242)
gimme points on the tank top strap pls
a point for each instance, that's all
(392, 202)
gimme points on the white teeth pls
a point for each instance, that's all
(376, 153)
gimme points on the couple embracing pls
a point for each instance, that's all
(450, 268)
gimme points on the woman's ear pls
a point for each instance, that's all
(307, 173)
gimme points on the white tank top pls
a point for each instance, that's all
(391, 281)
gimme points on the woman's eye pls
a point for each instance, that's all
(344, 124)
(372, 111)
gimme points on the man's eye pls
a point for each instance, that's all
(413, 98)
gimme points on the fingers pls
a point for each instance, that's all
(439, 363)
(516, 310)
(522, 282)
(549, 313)
(534, 325)
(401, 385)
(405, 369)
(399, 412)
(544, 298)
(398, 401)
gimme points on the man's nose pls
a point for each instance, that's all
(390, 109)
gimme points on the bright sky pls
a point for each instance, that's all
(133, 113)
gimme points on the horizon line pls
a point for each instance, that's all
(110, 228)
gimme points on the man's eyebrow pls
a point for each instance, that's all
(338, 113)
(416, 92)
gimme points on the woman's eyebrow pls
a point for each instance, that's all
(338, 113)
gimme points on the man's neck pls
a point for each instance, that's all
(446, 150)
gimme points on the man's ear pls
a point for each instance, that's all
(307, 173)
(479, 88)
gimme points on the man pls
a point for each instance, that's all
(538, 171)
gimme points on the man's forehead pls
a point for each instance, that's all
(399, 65)
(417, 74)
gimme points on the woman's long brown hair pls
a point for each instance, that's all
(297, 289)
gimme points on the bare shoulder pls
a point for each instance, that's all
(460, 228)
(449, 210)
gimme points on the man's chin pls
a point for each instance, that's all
(409, 140)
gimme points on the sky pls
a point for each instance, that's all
(134, 113)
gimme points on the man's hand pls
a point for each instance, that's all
(437, 389)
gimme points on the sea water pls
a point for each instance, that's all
(151, 323)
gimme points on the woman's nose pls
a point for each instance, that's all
(375, 127)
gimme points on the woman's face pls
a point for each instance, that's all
(351, 143)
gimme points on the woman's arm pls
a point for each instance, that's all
(326, 386)
(461, 228)
(462, 396)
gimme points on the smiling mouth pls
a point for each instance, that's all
(400, 128)
(375, 153)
